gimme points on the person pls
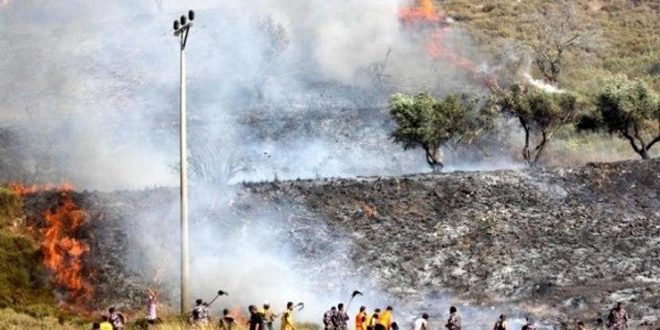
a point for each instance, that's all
(256, 319)
(581, 326)
(226, 322)
(340, 318)
(199, 314)
(152, 300)
(287, 318)
(454, 321)
(385, 319)
(361, 319)
(328, 318)
(105, 323)
(268, 316)
(116, 318)
(501, 324)
(422, 323)
(529, 324)
(372, 319)
(618, 318)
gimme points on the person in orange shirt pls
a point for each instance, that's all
(361, 319)
(385, 318)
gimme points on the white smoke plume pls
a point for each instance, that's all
(98, 81)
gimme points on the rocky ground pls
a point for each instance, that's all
(563, 244)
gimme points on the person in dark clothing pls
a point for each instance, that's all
(256, 318)
(328, 319)
(227, 322)
(340, 318)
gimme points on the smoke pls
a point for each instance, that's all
(99, 82)
(277, 89)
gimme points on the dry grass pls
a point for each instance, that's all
(623, 35)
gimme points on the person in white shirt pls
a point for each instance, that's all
(151, 306)
(422, 323)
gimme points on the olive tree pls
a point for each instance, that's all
(423, 121)
(630, 109)
(539, 113)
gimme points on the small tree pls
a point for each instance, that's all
(540, 114)
(426, 122)
(630, 109)
(551, 41)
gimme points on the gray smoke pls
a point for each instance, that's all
(277, 89)
(91, 90)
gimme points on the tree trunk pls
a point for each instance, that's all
(434, 158)
(525, 151)
(654, 141)
(539, 149)
(641, 151)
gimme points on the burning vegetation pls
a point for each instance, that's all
(62, 247)
(423, 15)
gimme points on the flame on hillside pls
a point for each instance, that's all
(24, 190)
(424, 16)
(62, 249)
(423, 11)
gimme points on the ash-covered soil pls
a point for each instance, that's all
(563, 243)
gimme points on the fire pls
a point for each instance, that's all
(437, 50)
(62, 250)
(424, 11)
(423, 15)
(24, 190)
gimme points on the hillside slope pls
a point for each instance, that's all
(564, 242)
(561, 243)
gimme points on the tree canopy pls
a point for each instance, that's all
(540, 114)
(630, 109)
(426, 122)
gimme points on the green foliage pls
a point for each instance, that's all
(540, 114)
(632, 110)
(10, 204)
(429, 123)
(23, 282)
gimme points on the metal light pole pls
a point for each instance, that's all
(181, 29)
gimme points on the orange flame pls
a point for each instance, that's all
(24, 190)
(423, 12)
(424, 16)
(63, 253)
(437, 50)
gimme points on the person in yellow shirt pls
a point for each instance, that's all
(361, 319)
(385, 318)
(287, 318)
(105, 324)
(372, 319)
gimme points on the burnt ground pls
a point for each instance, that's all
(562, 243)
(565, 243)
